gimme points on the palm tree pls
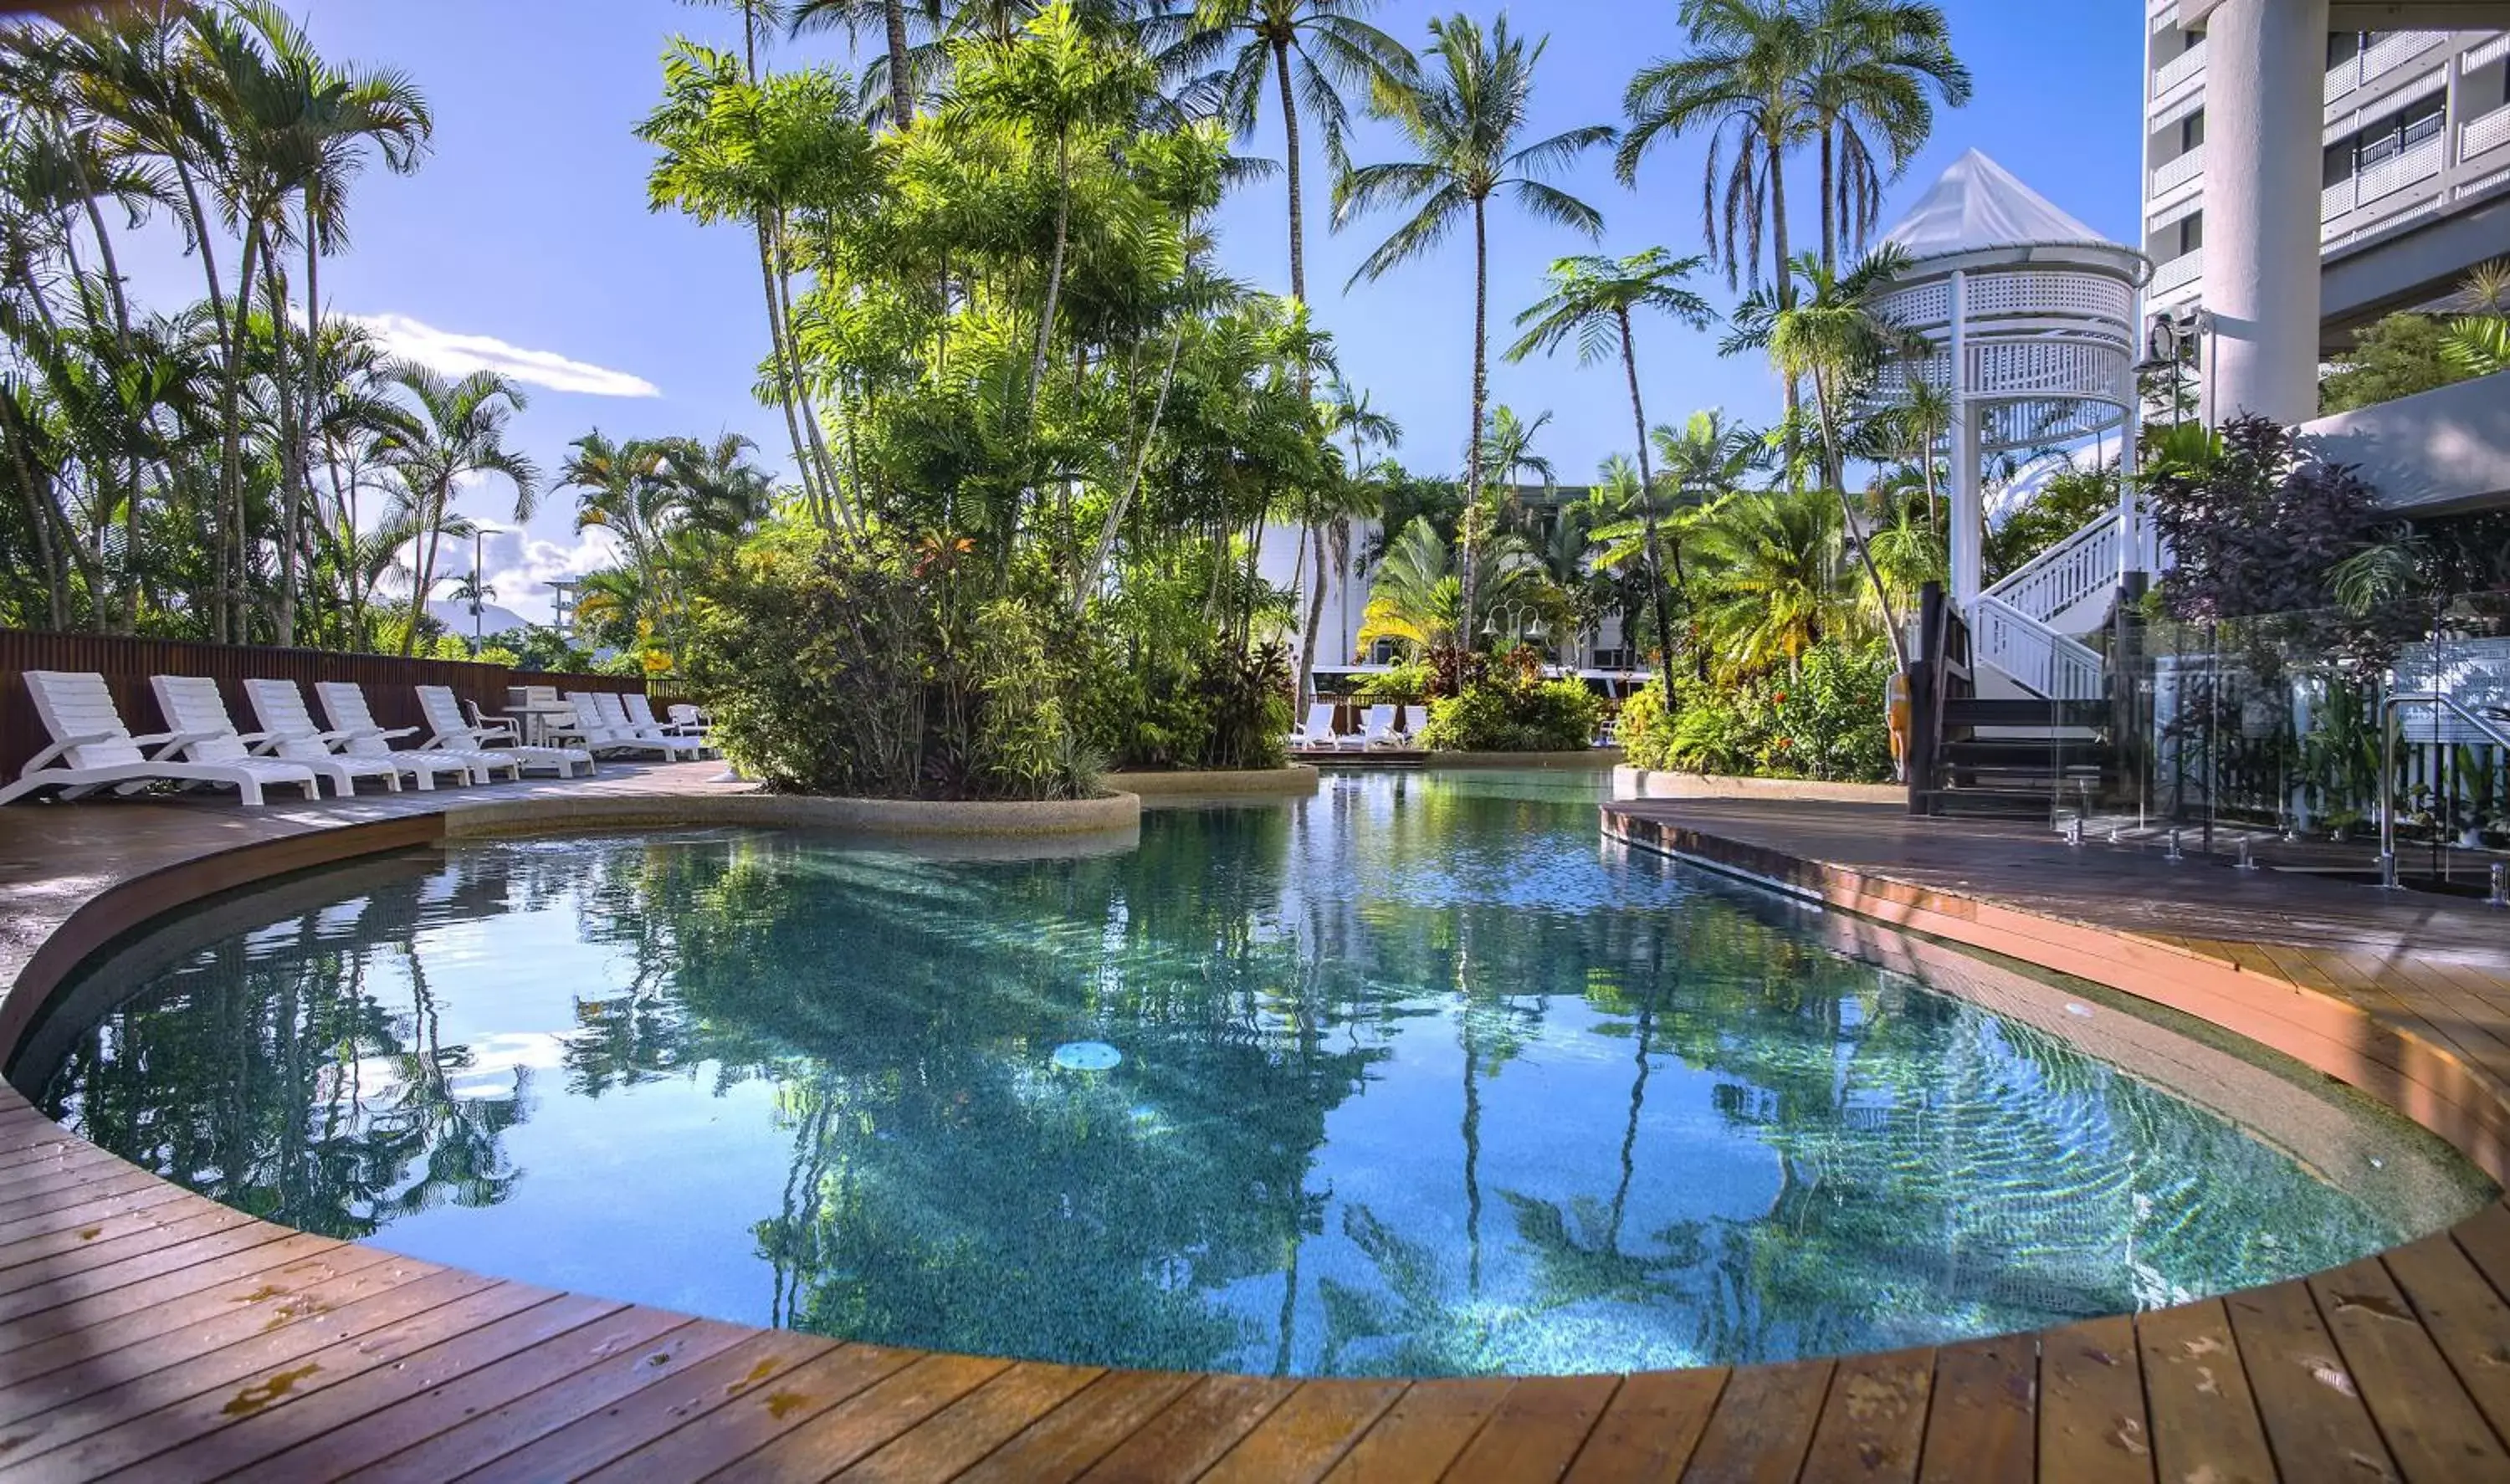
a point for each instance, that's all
(1467, 118)
(1352, 415)
(1594, 299)
(1313, 49)
(1508, 455)
(1420, 595)
(461, 436)
(1773, 561)
(1837, 340)
(1871, 65)
(898, 21)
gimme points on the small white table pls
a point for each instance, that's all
(535, 720)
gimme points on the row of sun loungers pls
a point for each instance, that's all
(1377, 730)
(91, 748)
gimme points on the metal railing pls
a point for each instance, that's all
(2388, 711)
(2485, 131)
(2171, 174)
(2041, 660)
(2186, 268)
(2378, 60)
(2385, 178)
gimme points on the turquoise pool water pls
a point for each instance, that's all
(1418, 1077)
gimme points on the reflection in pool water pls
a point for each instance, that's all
(1416, 1077)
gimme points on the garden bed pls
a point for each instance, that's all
(1296, 780)
(1650, 784)
(1591, 757)
(1109, 814)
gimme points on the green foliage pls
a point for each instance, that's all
(2401, 355)
(869, 673)
(538, 647)
(1514, 711)
(1826, 722)
(2068, 501)
(1406, 684)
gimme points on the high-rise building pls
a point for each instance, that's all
(2415, 179)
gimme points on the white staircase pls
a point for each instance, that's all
(2025, 627)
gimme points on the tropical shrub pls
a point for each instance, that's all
(1405, 684)
(1510, 711)
(1825, 722)
(862, 673)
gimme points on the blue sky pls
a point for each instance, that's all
(527, 228)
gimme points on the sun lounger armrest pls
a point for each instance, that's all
(175, 742)
(388, 734)
(35, 764)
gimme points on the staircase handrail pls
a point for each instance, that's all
(2058, 666)
(2064, 574)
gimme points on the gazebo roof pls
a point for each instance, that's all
(1979, 206)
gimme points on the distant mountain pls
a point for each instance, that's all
(493, 621)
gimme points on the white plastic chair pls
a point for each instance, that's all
(1316, 733)
(279, 707)
(606, 729)
(344, 703)
(92, 749)
(444, 713)
(198, 712)
(1377, 729)
(641, 719)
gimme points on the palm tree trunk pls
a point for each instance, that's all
(1298, 203)
(228, 622)
(901, 78)
(1829, 218)
(1786, 287)
(1316, 614)
(1847, 513)
(787, 383)
(1053, 272)
(1474, 433)
(1647, 500)
(1088, 578)
(425, 577)
(42, 508)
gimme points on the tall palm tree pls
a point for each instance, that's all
(897, 21)
(1867, 80)
(1352, 415)
(1773, 561)
(1837, 340)
(1312, 49)
(1508, 455)
(1467, 117)
(1595, 299)
(461, 435)
(1740, 84)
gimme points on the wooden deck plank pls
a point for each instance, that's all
(2465, 1317)
(168, 1205)
(1650, 1428)
(236, 1274)
(79, 1286)
(49, 1162)
(1062, 1445)
(52, 1189)
(30, 1220)
(1189, 1434)
(1874, 1424)
(307, 1414)
(1536, 1429)
(2316, 1426)
(2204, 1421)
(2432, 1427)
(82, 1363)
(2092, 1426)
(1763, 1425)
(2485, 1238)
(1423, 1432)
(198, 1221)
(969, 1429)
(590, 1439)
(156, 1411)
(403, 1422)
(455, 1447)
(759, 1415)
(1307, 1435)
(1982, 1421)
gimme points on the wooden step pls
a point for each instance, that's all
(1974, 712)
(2068, 755)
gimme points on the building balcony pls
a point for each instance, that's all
(2176, 73)
(2177, 272)
(2484, 131)
(2378, 60)
(2381, 180)
(2173, 173)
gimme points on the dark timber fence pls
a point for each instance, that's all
(126, 664)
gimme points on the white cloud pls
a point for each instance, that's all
(458, 355)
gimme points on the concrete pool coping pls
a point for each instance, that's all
(117, 1277)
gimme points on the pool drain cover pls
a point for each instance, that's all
(1086, 1056)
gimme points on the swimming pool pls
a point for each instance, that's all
(1418, 1076)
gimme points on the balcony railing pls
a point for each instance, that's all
(2385, 178)
(2180, 271)
(2173, 173)
(2379, 59)
(2485, 131)
(2172, 74)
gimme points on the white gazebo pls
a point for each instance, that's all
(2030, 320)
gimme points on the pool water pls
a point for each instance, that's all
(1418, 1077)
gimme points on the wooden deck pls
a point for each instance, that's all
(147, 1333)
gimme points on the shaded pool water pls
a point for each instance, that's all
(1418, 1078)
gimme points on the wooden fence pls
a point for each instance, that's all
(126, 664)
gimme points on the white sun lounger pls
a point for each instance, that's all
(92, 749)
(344, 701)
(193, 705)
(686, 720)
(1375, 730)
(1316, 733)
(641, 718)
(444, 713)
(606, 729)
(280, 706)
